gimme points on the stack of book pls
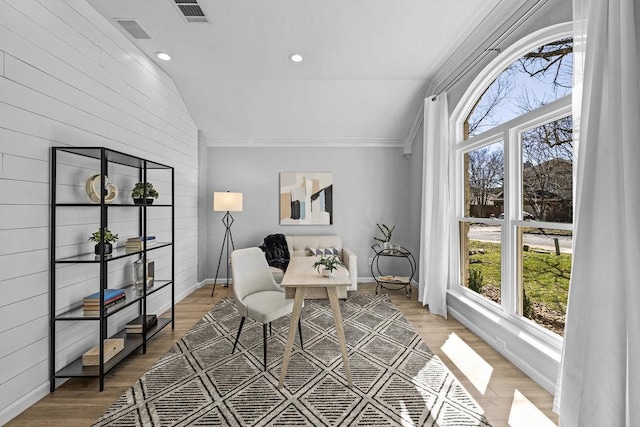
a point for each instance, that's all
(394, 279)
(135, 326)
(112, 299)
(135, 244)
(112, 347)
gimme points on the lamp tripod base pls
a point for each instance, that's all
(227, 243)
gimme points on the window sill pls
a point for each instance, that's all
(545, 341)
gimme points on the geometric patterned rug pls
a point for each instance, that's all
(397, 380)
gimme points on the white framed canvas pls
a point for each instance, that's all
(306, 198)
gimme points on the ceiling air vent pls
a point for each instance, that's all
(134, 29)
(191, 10)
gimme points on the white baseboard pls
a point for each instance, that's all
(17, 407)
(370, 279)
(204, 283)
(221, 281)
(22, 404)
(182, 295)
(366, 279)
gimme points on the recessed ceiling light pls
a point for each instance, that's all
(164, 56)
(295, 57)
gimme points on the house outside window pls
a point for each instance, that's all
(514, 188)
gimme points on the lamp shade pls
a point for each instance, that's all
(227, 201)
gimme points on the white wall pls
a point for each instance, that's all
(371, 185)
(68, 77)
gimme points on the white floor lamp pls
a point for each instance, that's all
(226, 202)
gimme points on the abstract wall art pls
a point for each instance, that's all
(306, 198)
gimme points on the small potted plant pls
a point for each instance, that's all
(385, 240)
(103, 243)
(327, 265)
(142, 191)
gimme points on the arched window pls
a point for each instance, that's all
(538, 77)
(514, 189)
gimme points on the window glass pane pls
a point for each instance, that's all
(545, 269)
(481, 259)
(539, 77)
(547, 172)
(483, 181)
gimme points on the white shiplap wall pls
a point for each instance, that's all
(68, 77)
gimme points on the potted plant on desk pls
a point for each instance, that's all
(327, 265)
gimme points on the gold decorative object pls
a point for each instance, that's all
(92, 186)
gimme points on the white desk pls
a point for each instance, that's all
(302, 281)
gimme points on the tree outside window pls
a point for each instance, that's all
(540, 161)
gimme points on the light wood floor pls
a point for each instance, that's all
(508, 396)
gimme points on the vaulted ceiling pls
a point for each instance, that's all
(367, 63)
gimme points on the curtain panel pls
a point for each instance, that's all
(599, 381)
(435, 225)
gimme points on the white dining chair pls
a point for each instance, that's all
(257, 295)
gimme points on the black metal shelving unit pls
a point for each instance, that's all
(132, 342)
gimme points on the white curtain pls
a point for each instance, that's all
(434, 242)
(600, 370)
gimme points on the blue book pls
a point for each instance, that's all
(108, 294)
(140, 238)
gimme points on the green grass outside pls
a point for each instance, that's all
(545, 276)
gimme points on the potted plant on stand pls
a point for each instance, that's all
(327, 265)
(142, 191)
(385, 240)
(104, 244)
